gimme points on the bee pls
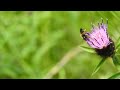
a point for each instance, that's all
(84, 34)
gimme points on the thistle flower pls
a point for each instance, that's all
(99, 40)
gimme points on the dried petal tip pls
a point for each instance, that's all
(99, 40)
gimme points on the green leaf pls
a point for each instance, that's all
(118, 44)
(117, 48)
(118, 41)
(115, 76)
(98, 66)
(90, 50)
(116, 61)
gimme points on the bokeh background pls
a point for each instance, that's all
(45, 44)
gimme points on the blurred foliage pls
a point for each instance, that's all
(33, 42)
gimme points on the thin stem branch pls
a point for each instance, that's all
(66, 58)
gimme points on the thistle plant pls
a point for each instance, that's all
(99, 40)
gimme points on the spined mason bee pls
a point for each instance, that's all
(84, 34)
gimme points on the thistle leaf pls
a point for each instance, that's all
(118, 44)
(98, 66)
(87, 49)
(116, 62)
(115, 76)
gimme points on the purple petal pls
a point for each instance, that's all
(98, 37)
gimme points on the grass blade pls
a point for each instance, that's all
(90, 50)
(115, 76)
(98, 66)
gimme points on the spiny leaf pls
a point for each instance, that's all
(117, 48)
(90, 50)
(118, 44)
(118, 41)
(116, 62)
(98, 66)
(115, 76)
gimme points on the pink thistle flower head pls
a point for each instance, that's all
(99, 40)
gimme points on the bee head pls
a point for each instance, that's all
(81, 30)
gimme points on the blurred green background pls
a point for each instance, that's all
(45, 44)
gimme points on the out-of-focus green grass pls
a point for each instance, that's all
(32, 43)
